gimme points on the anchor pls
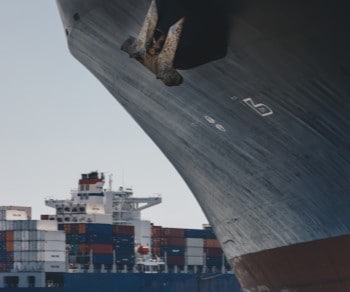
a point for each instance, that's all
(156, 50)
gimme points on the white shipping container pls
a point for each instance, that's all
(195, 261)
(48, 225)
(54, 266)
(54, 246)
(13, 215)
(25, 256)
(55, 235)
(21, 235)
(195, 242)
(4, 225)
(28, 266)
(194, 251)
(52, 256)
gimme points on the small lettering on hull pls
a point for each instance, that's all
(212, 121)
(260, 108)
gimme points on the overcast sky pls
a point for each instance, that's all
(57, 121)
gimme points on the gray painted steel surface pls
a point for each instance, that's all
(262, 136)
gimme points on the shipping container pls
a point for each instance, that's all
(213, 252)
(174, 260)
(99, 228)
(83, 260)
(38, 256)
(156, 231)
(195, 233)
(172, 251)
(195, 242)
(81, 228)
(214, 261)
(101, 248)
(209, 233)
(172, 241)
(125, 250)
(9, 235)
(173, 232)
(99, 259)
(194, 251)
(124, 229)
(9, 246)
(99, 238)
(211, 243)
(195, 261)
(54, 267)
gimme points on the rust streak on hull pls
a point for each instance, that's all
(320, 265)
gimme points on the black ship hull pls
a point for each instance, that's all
(260, 135)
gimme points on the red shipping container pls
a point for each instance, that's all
(213, 252)
(173, 232)
(156, 231)
(101, 248)
(67, 228)
(83, 248)
(124, 229)
(173, 241)
(211, 243)
(9, 235)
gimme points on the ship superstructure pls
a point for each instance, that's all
(91, 203)
(98, 236)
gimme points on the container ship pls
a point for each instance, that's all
(97, 241)
(249, 100)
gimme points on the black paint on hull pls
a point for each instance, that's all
(261, 136)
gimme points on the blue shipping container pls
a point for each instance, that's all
(99, 259)
(99, 238)
(195, 233)
(172, 251)
(99, 228)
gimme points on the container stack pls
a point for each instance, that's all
(124, 245)
(213, 252)
(31, 246)
(169, 243)
(84, 240)
(191, 247)
(195, 247)
(6, 251)
(96, 242)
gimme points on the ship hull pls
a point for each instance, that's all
(158, 282)
(260, 136)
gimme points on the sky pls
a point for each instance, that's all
(57, 121)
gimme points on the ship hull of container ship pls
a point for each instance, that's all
(120, 282)
(261, 136)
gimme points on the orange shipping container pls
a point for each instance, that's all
(81, 228)
(101, 248)
(83, 248)
(9, 235)
(9, 246)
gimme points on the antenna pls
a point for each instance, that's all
(123, 177)
(110, 181)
